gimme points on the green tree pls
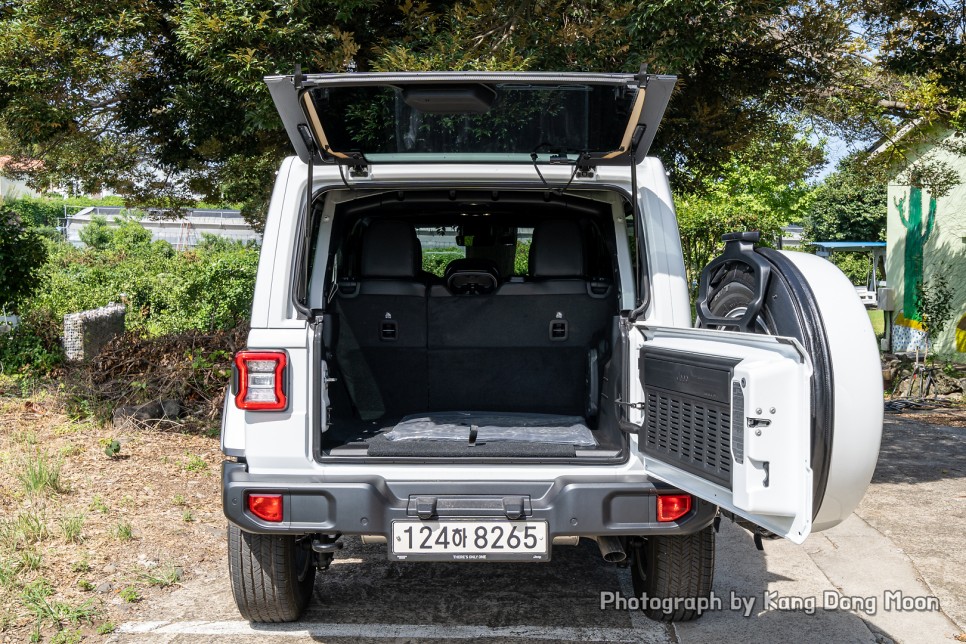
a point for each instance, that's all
(163, 100)
(22, 256)
(97, 234)
(746, 195)
(847, 207)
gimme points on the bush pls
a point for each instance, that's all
(38, 212)
(521, 258)
(22, 256)
(856, 266)
(34, 346)
(165, 291)
(96, 234)
(435, 261)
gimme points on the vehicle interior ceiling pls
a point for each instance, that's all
(458, 312)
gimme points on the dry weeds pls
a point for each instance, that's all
(60, 548)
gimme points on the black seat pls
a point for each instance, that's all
(557, 252)
(384, 312)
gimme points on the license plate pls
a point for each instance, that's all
(459, 540)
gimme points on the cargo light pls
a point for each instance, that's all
(267, 507)
(671, 507)
(261, 380)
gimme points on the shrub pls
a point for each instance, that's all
(165, 291)
(34, 346)
(435, 261)
(38, 212)
(22, 256)
(96, 234)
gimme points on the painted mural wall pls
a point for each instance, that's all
(926, 235)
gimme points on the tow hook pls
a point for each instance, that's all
(330, 544)
(324, 546)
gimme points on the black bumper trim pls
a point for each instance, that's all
(369, 505)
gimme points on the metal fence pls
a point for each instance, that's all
(181, 232)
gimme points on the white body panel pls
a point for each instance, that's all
(772, 482)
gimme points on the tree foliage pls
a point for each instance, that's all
(163, 100)
(22, 256)
(845, 207)
(745, 195)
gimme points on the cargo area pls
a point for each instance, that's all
(505, 349)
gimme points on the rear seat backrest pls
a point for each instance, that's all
(384, 310)
(527, 346)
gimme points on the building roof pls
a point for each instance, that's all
(851, 246)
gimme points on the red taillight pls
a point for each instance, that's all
(266, 506)
(261, 380)
(671, 507)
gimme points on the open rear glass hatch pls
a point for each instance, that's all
(472, 117)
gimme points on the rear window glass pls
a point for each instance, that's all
(386, 124)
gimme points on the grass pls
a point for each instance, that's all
(106, 628)
(130, 594)
(195, 463)
(98, 504)
(67, 510)
(70, 450)
(30, 526)
(30, 559)
(878, 322)
(123, 531)
(41, 475)
(163, 577)
(8, 573)
(71, 527)
(67, 637)
(36, 598)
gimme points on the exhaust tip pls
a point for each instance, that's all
(611, 549)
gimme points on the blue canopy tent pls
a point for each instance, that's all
(877, 249)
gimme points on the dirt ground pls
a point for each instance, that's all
(98, 537)
(138, 539)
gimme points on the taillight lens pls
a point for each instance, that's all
(261, 380)
(671, 507)
(266, 506)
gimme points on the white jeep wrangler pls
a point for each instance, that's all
(508, 402)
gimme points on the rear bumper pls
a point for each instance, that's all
(368, 505)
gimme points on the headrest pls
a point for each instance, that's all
(390, 249)
(557, 250)
(471, 276)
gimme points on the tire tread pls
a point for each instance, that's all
(264, 579)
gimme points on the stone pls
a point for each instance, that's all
(127, 416)
(87, 331)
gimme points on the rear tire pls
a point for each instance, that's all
(674, 567)
(271, 575)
